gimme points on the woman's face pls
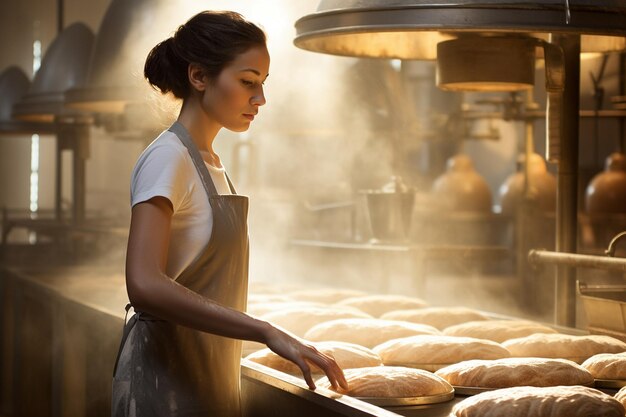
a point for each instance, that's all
(234, 98)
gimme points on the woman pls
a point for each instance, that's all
(187, 258)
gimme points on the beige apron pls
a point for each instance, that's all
(164, 369)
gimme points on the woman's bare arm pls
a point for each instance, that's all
(151, 291)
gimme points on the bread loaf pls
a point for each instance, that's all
(268, 298)
(434, 352)
(300, 320)
(497, 330)
(377, 305)
(366, 332)
(263, 308)
(561, 401)
(325, 295)
(439, 317)
(347, 355)
(513, 372)
(621, 396)
(607, 366)
(575, 348)
(390, 382)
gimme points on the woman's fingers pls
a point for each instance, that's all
(306, 372)
(299, 352)
(328, 364)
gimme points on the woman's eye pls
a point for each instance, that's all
(247, 82)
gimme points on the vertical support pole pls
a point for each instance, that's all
(73, 135)
(81, 150)
(621, 146)
(567, 190)
(58, 180)
(60, 15)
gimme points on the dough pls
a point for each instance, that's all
(621, 396)
(390, 382)
(513, 372)
(347, 355)
(325, 295)
(575, 348)
(561, 401)
(439, 317)
(377, 305)
(434, 352)
(260, 309)
(607, 365)
(299, 320)
(366, 332)
(497, 330)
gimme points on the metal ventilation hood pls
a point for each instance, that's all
(14, 84)
(411, 29)
(64, 66)
(129, 29)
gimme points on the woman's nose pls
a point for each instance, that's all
(259, 98)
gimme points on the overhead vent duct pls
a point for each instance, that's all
(14, 84)
(115, 88)
(64, 66)
(477, 63)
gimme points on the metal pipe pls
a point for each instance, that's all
(60, 15)
(540, 114)
(622, 91)
(567, 180)
(610, 251)
(81, 150)
(576, 260)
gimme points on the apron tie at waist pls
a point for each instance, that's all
(128, 326)
(141, 316)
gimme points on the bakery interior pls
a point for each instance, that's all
(461, 155)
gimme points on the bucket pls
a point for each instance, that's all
(390, 214)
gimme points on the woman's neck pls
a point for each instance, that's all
(202, 129)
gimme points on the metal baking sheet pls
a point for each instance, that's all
(467, 391)
(470, 390)
(610, 383)
(399, 402)
(605, 307)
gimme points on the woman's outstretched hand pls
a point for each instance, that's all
(300, 352)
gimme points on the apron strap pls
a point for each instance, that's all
(179, 130)
(230, 184)
(125, 332)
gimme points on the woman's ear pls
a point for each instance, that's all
(197, 77)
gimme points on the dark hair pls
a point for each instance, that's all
(212, 39)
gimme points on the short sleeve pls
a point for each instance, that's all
(162, 170)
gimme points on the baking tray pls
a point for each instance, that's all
(610, 383)
(408, 401)
(467, 391)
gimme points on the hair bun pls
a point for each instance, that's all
(161, 64)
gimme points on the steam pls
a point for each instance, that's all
(326, 133)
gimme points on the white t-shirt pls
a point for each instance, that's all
(166, 169)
